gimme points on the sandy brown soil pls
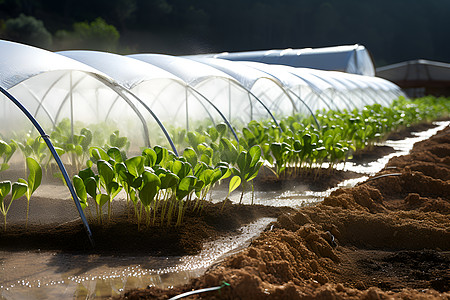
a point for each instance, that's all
(386, 238)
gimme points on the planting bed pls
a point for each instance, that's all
(386, 237)
(381, 232)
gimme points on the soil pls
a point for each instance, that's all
(315, 180)
(388, 237)
(121, 236)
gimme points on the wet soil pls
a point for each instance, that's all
(315, 179)
(121, 235)
(388, 237)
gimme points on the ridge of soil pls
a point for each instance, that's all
(388, 237)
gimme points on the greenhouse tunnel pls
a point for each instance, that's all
(159, 90)
(58, 89)
(319, 99)
(354, 59)
(266, 89)
(21, 64)
(234, 101)
(60, 96)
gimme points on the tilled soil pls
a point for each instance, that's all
(388, 237)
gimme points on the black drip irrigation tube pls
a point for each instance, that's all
(57, 159)
(384, 175)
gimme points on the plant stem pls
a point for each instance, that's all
(28, 208)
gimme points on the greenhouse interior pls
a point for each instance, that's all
(82, 107)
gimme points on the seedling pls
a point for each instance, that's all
(34, 181)
(6, 152)
(18, 190)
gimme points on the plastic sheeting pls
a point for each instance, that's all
(353, 59)
(54, 88)
(138, 90)
(224, 93)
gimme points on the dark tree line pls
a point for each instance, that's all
(393, 30)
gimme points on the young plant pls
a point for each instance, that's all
(149, 189)
(18, 190)
(248, 165)
(74, 145)
(6, 152)
(33, 182)
(121, 142)
(235, 182)
(102, 187)
(35, 148)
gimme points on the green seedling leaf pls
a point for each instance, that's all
(81, 190)
(162, 155)
(199, 168)
(121, 171)
(34, 177)
(216, 175)
(102, 199)
(60, 151)
(87, 140)
(91, 186)
(213, 133)
(5, 188)
(255, 154)
(198, 187)
(86, 173)
(253, 172)
(168, 180)
(181, 169)
(191, 156)
(194, 139)
(105, 171)
(4, 148)
(277, 151)
(150, 157)
(229, 152)
(206, 176)
(135, 165)
(137, 183)
(18, 190)
(78, 150)
(97, 154)
(235, 182)
(4, 166)
(89, 163)
(221, 129)
(206, 159)
(115, 154)
(185, 186)
(113, 188)
(147, 193)
(117, 141)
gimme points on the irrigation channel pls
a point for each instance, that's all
(56, 275)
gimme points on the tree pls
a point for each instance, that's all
(28, 30)
(96, 35)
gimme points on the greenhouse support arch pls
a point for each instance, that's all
(57, 159)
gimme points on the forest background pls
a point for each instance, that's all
(392, 30)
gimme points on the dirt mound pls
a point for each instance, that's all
(387, 238)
